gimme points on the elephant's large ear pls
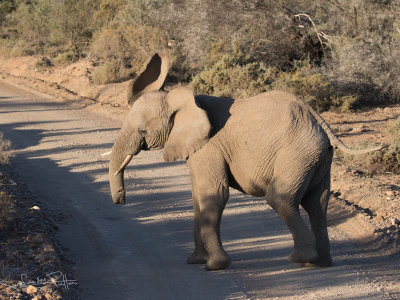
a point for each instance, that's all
(191, 126)
(151, 79)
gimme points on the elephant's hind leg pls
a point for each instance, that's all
(286, 203)
(315, 203)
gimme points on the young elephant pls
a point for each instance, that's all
(271, 145)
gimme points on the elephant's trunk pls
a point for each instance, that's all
(127, 145)
(116, 183)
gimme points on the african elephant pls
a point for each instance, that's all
(271, 145)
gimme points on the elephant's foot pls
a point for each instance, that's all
(303, 255)
(198, 257)
(218, 261)
(319, 262)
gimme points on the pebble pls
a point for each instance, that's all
(380, 218)
(390, 193)
(31, 289)
(359, 129)
(346, 128)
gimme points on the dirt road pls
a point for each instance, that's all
(138, 251)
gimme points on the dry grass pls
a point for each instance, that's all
(6, 207)
(4, 148)
(6, 211)
(123, 49)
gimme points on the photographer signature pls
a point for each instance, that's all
(57, 278)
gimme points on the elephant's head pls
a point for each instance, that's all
(157, 120)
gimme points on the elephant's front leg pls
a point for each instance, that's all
(210, 194)
(199, 255)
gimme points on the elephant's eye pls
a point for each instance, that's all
(143, 132)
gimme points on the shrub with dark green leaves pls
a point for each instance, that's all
(4, 148)
(66, 57)
(388, 159)
(237, 75)
(6, 7)
(233, 75)
(106, 73)
(313, 87)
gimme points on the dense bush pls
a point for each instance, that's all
(266, 29)
(313, 87)
(351, 46)
(237, 75)
(49, 26)
(233, 74)
(364, 36)
(388, 159)
(6, 7)
(4, 147)
(123, 49)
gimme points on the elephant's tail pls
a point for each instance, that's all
(335, 141)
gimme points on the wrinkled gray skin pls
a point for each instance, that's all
(271, 145)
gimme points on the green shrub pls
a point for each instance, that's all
(43, 62)
(229, 79)
(49, 26)
(4, 148)
(18, 50)
(266, 29)
(388, 159)
(304, 82)
(234, 74)
(106, 73)
(5, 47)
(107, 11)
(237, 75)
(394, 131)
(66, 57)
(123, 49)
(33, 24)
(313, 87)
(363, 40)
(367, 68)
(6, 7)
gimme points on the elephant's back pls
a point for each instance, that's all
(276, 111)
(262, 130)
(270, 103)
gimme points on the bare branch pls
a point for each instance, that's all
(318, 33)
